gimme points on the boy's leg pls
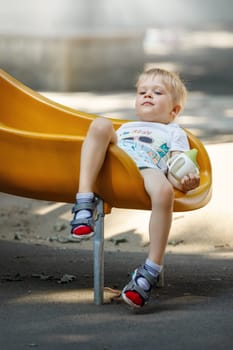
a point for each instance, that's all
(161, 194)
(99, 136)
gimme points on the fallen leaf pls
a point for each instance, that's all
(66, 279)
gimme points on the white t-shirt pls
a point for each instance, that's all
(149, 144)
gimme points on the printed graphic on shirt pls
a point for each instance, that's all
(148, 144)
(147, 147)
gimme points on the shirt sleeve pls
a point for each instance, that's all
(179, 140)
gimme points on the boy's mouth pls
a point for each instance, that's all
(147, 103)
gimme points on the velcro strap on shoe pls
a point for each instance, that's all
(132, 286)
(84, 206)
(83, 221)
(141, 271)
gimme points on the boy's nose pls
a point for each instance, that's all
(148, 94)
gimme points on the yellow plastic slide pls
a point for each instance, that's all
(40, 144)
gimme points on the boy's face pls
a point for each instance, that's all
(154, 101)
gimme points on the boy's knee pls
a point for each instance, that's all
(164, 196)
(101, 126)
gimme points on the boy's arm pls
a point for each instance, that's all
(188, 182)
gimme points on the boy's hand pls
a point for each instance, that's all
(189, 182)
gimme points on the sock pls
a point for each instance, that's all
(83, 213)
(154, 269)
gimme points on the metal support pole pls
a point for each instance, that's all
(99, 255)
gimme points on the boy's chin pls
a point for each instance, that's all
(149, 118)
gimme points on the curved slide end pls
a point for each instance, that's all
(40, 153)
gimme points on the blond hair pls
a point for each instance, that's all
(171, 80)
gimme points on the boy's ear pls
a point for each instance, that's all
(176, 110)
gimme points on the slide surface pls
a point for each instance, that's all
(40, 144)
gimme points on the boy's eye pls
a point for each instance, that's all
(156, 92)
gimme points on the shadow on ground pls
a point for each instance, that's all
(37, 310)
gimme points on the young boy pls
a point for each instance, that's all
(149, 142)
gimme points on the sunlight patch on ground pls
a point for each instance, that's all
(48, 208)
(68, 296)
(164, 41)
(93, 103)
(189, 119)
(80, 296)
(171, 66)
(215, 39)
(228, 113)
(70, 338)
